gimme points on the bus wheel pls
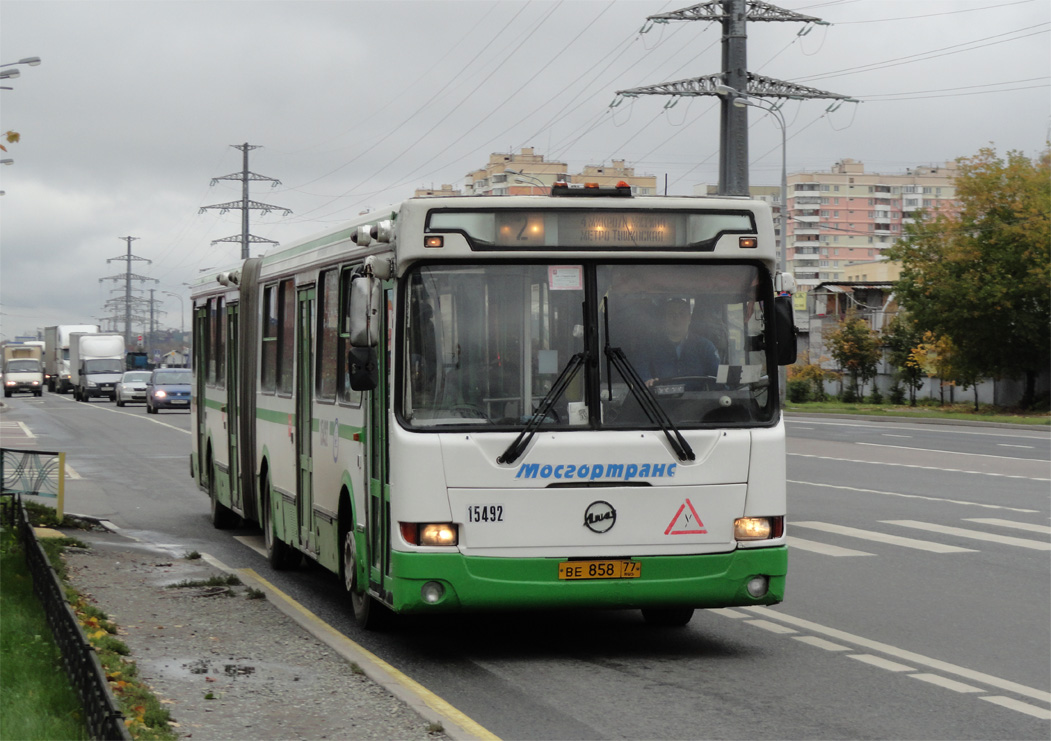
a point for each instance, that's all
(223, 518)
(280, 555)
(369, 613)
(667, 617)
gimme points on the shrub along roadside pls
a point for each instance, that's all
(146, 718)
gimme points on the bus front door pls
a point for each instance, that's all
(304, 419)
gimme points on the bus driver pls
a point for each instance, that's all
(676, 352)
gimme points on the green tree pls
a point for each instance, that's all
(899, 339)
(982, 277)
(856, 347)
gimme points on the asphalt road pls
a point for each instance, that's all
(918, 602)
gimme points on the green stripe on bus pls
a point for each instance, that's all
(476, 582)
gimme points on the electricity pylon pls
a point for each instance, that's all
(245, 204)
(733, 122)
(128, 277)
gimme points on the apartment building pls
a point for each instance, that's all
(528, 173)
(432, 192)
(846, 216)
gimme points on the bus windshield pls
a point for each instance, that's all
(489, 345)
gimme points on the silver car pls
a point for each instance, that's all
(132, 387)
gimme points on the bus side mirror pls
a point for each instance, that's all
(362, 368)
(364, 311)
(785, 330)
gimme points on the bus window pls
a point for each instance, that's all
(219, 339)
(268, 366)
(286, 337)
(344, 392)
(486, 343)
(327, 335)
(693, 336)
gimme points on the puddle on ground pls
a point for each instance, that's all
(198, 668)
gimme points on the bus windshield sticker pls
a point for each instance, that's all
(565, 277)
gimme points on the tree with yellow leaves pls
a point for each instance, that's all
(981, 278)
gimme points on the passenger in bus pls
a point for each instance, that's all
(675, 352)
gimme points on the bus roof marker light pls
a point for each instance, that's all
(383, 231)
(747, 243)
(361, 236)
(434, 241)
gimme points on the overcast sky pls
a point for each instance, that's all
(356, 104)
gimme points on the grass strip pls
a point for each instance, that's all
(146, 718)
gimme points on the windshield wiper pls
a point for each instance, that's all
(516, 448)
(644, 395)
(653, 409)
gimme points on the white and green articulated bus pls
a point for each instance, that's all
(508, 403)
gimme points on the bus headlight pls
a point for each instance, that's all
(441, 533)
(758, 528)
(438, 534)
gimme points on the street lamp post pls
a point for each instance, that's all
(182, 324)
(11, 74)
(521, 177)
(741, 100)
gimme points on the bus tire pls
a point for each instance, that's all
(370, 614)
(279, 554)
(667, 617)
(223, 518)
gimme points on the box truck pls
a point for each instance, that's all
(96, 363)
(56, 354)
(23, 370)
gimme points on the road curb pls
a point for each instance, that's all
(430, 706)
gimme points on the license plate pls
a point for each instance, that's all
(599, 570)
(180, 401)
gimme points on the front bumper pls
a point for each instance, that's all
(477, 583)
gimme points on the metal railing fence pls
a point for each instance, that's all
(102, 714)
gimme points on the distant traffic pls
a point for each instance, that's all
(92, 365)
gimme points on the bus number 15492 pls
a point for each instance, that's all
(485, 513)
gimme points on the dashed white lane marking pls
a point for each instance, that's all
(914, 496)
(886, 649)
(821, 643)
(823, 548)
(948, 452)
(922, 545)
(772, 627)
(961, 532)
(1045, 529)
(949, 684)
(882, 663)
(1021, 707)
(924, 468)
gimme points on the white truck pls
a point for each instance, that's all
(96, 363)
(56, 354)
(23, 370)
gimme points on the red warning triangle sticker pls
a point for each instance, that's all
(686, 521)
